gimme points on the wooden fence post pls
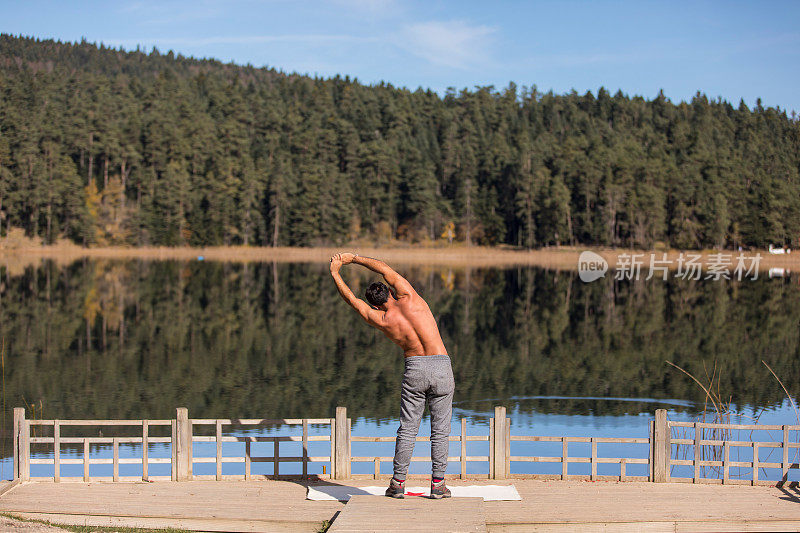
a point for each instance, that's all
(145, 451)
(56, 451)
(499, 455)
(349, 454)
(785, 461)
(182, 444)
(463, 458)
(342, 445)
(25, 444)
(507, 457)
(333, 450)
(305, 448)
(218, 440)
(86, 455)
(22, 447)
(174, 448)
(650, 461)
(662, 447)
(19, 417)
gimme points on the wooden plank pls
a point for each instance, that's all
(342, 445)
(651, 437)
(86, 460)
(534, 459)
(697, 449)
(178, 524)
(745, 427)
(262, 500)
(19, 416)
(56, 451)
(652, 527)
(219, 449)
(748, 427)
(282, 438)
(182, 443)
(661, 447)
(415, 459)
(258, 421)
(276, 461)
(349, 447)
(25, 450)
(190, 451)
(305, 448)
(564, 456)
(726, 462)
(332, 464)
(101, 461)
(463, 459)
(491, 448)
(361, 438)
(594, 460)
(740, 443)
(535, 438)
(145, 451)
(638, 502)
(173, 448)
(614, 440)
(785, 462)
(107, 422)
(410, 514)
(116, 460)
(247, 459)
(95, 440)
(755, 463)
(498, 457)
(618, 460)
(507, 458)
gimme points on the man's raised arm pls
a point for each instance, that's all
(400, 284)
(372, 316)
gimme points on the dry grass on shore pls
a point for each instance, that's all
(558, 258)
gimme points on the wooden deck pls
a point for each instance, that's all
(281, 506)
(361, 515)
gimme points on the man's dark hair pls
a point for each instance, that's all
(377, 294)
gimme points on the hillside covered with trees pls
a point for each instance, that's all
(107, 147)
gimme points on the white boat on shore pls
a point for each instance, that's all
(779, 251)
(777, 272)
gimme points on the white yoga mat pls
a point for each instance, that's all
(342, 493)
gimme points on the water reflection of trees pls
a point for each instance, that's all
(136, 339)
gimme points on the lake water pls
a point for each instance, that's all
(136, 339)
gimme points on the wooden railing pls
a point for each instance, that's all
(711, 444)
(23, 461)
(180, 442)
(186, 433)
(276, 459)
(462, 459)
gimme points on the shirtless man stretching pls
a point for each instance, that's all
(406, 319)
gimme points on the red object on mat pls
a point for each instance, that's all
(415, 494)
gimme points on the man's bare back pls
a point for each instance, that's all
(404, 317)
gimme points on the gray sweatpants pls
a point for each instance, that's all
(427, 379)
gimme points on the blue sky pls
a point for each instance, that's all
(730, 49)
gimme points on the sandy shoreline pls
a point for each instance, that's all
(559, 258)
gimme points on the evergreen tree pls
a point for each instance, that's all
(184, 151)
